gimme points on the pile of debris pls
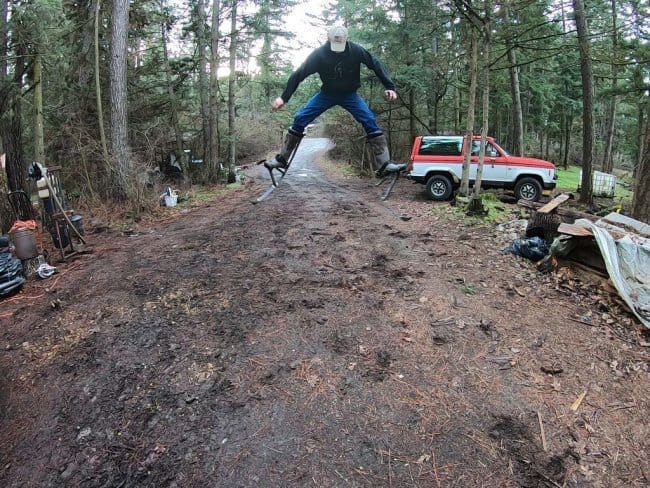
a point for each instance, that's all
(614, 246)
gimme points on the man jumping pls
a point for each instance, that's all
(338, 63)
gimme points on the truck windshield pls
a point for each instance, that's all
(505, 152)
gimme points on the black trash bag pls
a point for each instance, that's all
(11, 279)
(533, 248)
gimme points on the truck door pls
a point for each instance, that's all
(494, 166)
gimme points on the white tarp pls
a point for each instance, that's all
(625, 247)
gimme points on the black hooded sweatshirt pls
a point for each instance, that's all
(340, 73)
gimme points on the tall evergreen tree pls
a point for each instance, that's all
(586, 186)
(120, 153)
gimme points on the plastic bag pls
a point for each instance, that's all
(533, 248)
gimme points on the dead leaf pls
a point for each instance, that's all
(423, 458)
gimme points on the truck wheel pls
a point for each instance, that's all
(439, 188)
(528, 189)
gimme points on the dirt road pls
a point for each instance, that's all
(317, 339)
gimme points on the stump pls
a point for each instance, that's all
(475, 207)
(543, 225)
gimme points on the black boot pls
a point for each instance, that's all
(281, 160)
(383, 163)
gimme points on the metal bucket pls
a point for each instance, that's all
(25, 243)
(78, 223)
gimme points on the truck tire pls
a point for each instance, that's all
(439, 188)
(528, 189)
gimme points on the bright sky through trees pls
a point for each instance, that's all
(308, 35)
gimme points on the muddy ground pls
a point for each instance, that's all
(318, 339)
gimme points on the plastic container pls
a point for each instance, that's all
(78, 223)
(171, 200)
(25, 243)
(603, 184)
(43, 191)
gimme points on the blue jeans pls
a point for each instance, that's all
(321, 102)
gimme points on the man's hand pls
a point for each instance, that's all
(277, 103)
(390, 95)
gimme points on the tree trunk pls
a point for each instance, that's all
(264, 59)
(568, 126)
(412, 98)
(6, 213)
(213, 158)
(457, 94)
(232, 86)
(641, 199)
(120, 153)
(517, 114)
(608, 160)
(486, 106)
(13, 147)
(11, 115)
(567, 214)
(39, 144)
(98, 94)
(201, 46)
(4, 33)
(469, 131)
(12, 143)
(173, 104)
(586, 191)
(12, 134)
(82, 65)
(517, 142)
(640, 121)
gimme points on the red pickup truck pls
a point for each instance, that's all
(437, 162)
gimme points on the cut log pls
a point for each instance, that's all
(565, 213)
(543, 225)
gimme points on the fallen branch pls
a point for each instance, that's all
(541, 431)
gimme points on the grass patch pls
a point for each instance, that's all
(568, 180)
(497, 211)
(469, 289)
(199, 195)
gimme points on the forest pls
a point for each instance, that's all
(117, 94)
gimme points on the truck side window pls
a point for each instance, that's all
(441, 147)
(490, 150)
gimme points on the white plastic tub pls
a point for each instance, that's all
(604, 184)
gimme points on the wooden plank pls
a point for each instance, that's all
(574, 230)
(553, 204)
